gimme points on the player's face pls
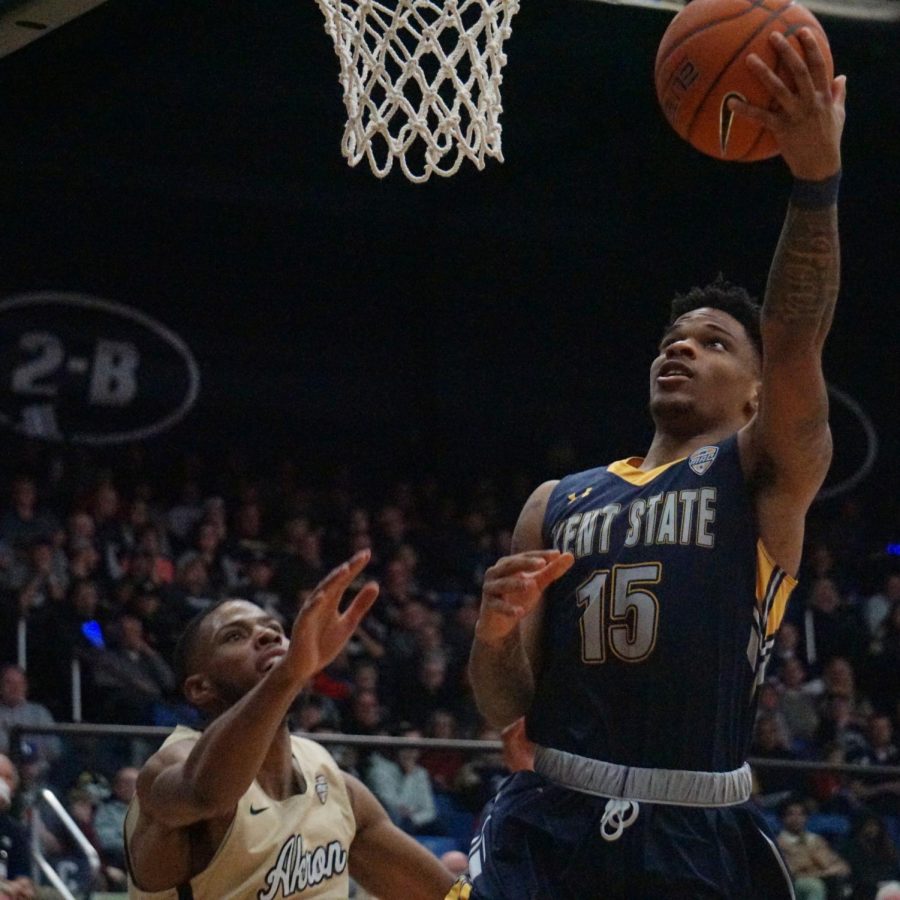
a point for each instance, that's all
(705, 376)
(239, 645)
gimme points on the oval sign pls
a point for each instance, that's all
(83, 370)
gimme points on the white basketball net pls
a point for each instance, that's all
(421, 81)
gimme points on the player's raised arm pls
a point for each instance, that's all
(789, 442)
(192, 781)
(504, 653)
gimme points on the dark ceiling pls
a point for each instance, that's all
(184, 158)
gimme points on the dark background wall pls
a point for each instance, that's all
(183, 158)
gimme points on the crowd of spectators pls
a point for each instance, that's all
(108, 565)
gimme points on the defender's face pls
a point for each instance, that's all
(706, 374)
(240, 643)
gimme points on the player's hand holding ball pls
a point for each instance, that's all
(512, 589)
(743, 81)
(808, 120)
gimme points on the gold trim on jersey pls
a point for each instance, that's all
(627, 470)
(773, 589)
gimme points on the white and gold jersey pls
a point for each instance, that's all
(298, 847)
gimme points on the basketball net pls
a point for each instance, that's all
(421, 81)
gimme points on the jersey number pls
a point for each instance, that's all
(626, 626)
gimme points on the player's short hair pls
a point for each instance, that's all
(730, 298)
(184, 657)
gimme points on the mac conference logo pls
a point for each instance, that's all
(83, 370)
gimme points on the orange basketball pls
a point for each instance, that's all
(701, 63)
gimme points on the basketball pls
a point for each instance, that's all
(701, 64)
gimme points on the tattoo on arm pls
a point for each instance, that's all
(805, 274)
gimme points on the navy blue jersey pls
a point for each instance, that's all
(654, 641)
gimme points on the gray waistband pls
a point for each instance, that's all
(593, 776)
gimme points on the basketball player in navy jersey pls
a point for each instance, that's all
(243, 810)
(632, 623)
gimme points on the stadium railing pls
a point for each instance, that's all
(147, 738)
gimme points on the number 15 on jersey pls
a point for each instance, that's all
(620, 614)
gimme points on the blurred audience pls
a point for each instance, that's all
(830, 627)
(773, 785)
(879, 793)
(404, 787)
(816, 868)
(109, 818)
(106, 563)
(15, 881)
(872, 856)
(798, 705)
(442, 765)
(17, 709)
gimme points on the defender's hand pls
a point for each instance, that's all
(320, 629)
(513, 587)
(807, 122)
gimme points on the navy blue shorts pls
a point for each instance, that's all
(540, 841)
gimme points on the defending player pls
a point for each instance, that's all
(246, 811)
(666, 578)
